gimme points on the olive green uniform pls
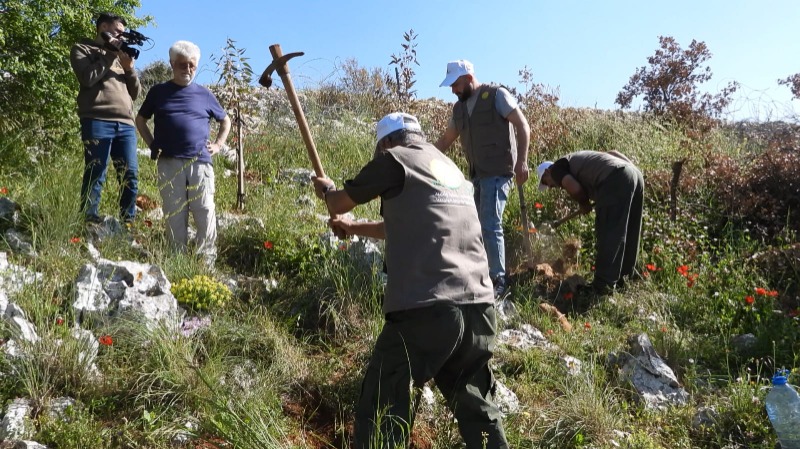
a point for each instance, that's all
(439, 305)
(617, 189)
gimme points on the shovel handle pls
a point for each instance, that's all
(526, 236)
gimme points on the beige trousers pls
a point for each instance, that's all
(188, 186)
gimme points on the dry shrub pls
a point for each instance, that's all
(775, 135)
(657, 182)
(432, 113)
(762, 193)
(539, 103)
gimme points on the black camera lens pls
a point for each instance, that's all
(130, 51)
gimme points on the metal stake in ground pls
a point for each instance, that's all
(280, 63)
(239, 159)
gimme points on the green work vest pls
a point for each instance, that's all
(592, 168)
(487, 138)
(434, 250)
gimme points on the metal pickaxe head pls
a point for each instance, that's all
(279, 64)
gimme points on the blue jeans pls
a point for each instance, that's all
(103, 140)
(491, 196)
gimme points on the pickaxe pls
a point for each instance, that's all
(280, 63)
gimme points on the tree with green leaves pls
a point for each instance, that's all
(404, 67)
(234, 90)
(37, 86)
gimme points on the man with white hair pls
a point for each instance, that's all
(438, 305)
(181, 144)
(494, 136)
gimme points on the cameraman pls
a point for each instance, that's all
(108, 87)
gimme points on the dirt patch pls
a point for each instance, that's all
(318, 421)
(146, 203)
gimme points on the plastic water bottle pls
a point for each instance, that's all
(783, 408)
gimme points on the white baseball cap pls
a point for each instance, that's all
(455, 69)
(540, 171)
(396, 121)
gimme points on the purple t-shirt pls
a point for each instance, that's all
(182, 115)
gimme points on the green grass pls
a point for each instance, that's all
(304, 344)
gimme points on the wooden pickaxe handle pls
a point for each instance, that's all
(283, 71)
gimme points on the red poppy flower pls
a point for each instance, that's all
(690, 283)
(587, 325)
(568, 295)
(772, 293)
(664, 329)
(761, 291)
(75, 240)
(749, 299)
(651, 267)
(683, 270)
(4, 190)
(646, 274)
(59, 321)
(342, 247)
(268, 245)
(538, 205)
(106, 340)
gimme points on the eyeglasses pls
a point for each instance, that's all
(185, 65)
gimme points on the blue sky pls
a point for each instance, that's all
(587, 49)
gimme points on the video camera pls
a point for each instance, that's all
(128, 38)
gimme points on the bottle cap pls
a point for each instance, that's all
(780, 377)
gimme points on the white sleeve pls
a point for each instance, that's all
(504, 102)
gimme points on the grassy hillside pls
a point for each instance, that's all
(281, 367)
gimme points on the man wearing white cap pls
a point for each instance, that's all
(616, 186)
(494, 136)
(438, 304)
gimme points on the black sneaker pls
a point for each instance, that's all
(500, 287)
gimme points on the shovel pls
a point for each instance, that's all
(526, 229)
